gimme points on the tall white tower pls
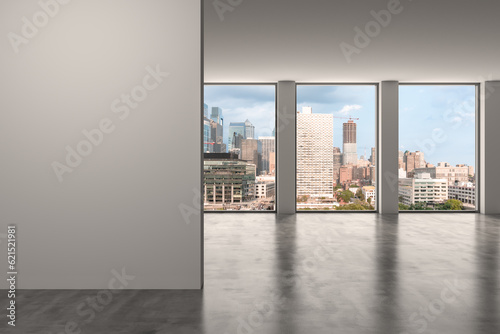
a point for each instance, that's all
(314, 153)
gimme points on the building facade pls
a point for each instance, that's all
(350, 151)
(423, 189)
(314, 153)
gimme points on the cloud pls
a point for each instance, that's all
(348, 108)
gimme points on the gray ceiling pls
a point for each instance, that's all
(428, 41)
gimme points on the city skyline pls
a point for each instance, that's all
(241, 102)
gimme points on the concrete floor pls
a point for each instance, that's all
(311, 273)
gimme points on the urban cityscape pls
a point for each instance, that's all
(239, 164)
(240, 174)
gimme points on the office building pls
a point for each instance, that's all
(268, 146)
(423, 189)
(314, 153)
(251, 152)
(465, 193)
(454, 175)
(350, 151)
(227, 179)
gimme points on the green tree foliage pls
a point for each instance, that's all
(356, 206)
(359, 194)
(345, 195)
(403, 207)
(451, 204)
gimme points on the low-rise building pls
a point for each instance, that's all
(465, 193)
(369, 192)
(423, 189)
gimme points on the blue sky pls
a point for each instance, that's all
(343, 101)
(438, 120)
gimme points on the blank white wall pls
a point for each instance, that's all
(120, 208)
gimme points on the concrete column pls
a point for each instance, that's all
(285, 148)
(489, 139)
(388, 139)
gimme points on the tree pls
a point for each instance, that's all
(403, 207)
(359, 194)
(345, 195)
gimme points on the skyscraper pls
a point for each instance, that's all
(251, 152)
(249, 130)
(216, 115)
(205, 110)
(267, 147)
(314, 153)
(207, 146)
(337, 162)
(350, 153)
(235, 128)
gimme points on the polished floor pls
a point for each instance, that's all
(311, 274)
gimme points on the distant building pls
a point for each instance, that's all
(268, 146)
(337, 162)
(227, 179)
(346, 175)
(350, 152)
(265, 189)
(465, 193)
(272, 163)
(205, 110)
(249, 130)
(235, 129)
(369, 192)
(216, 116)
(251, 151)
(445, 171)
(217, 137)
(207, 145)
(373, 157)
(423, 189)
(314, 153)
(413, 160)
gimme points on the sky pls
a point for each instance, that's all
(241, 102)
(438, 120)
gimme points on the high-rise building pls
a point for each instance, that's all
(413, 160)
(337, 162)
(268, 144)
(272, 163)
(249, 130)
(251, 151)
(207, 140)
(314, 153)
(350, 152)
(216, 115)
(217, 137)
(373, 157)
(235, 129)
(205, 110)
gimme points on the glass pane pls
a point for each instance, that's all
(336, 154)
(437, 152)
(239, 147)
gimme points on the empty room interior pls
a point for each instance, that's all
(250, 166)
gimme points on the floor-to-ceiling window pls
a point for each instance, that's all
(437, 147)
(239, 147)
(336, 147)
